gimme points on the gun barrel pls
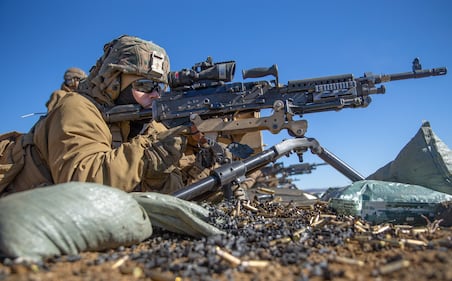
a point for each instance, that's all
(197, 189)
(228, 173)
(419, 73)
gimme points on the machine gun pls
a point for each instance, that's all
(302, 168)
(276, 175)
(275, 182)
(202, 96)
(205, 96)
(273, 169)
(294, 169)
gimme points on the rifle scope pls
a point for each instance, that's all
(202, 72)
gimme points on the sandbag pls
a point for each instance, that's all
(68, 219)
(386, 202)
(425, 160)
(176, 215)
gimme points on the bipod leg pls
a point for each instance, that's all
(336, 163)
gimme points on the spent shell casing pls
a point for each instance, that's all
(266, 190)
(227, 256)
(413, 242)
(346, 260)
(255, 263)
(393, 266)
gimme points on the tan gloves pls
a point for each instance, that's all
(163, 154)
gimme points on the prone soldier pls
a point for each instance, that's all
(73, 142)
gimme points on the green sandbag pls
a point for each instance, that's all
(68, 219)
(425, 160)
(387, 202)
(176, 215)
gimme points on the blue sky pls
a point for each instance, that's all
(41, 39)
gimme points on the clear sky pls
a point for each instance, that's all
(41, 39)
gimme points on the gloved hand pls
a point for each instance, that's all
(164, 153)
(196, 138)
(176, 215)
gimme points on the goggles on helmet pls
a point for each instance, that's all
(71, 82)
(148, 86)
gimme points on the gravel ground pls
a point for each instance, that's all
(298, 240)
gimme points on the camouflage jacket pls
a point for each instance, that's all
(74, 143)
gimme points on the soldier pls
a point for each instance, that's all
(72, 78)
(74, 143)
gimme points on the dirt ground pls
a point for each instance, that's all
(266, 241)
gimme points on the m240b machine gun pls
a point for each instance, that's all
(205, 96)
(202, 96)
(294, 169)
(276, 175)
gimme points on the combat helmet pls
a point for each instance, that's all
(74, 72)
(71, 77)
(125, 55)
